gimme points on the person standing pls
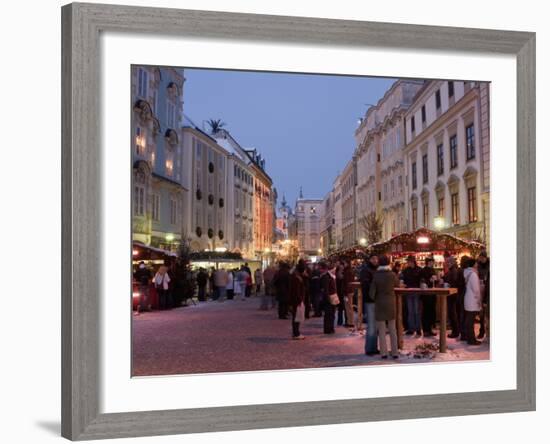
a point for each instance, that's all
(396, 268)
(451, 279)
(297, 293)
(472, 300)
(282, 286)
(202, 280)
(461, 285)
(382, 291)
(212, 287)
(366, 275)
(428, 275)
(269, 274)
(411, 279)
(339, 274)
(220, 282)
(143, 277)
(349, 278)
(328, 288)
(242, 277)
(483, 270)
(258, 280)
(229, 288)
(306, 277)
(315, 291)
(162, 285)
(237, 284)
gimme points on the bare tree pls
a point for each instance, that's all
(372, 226)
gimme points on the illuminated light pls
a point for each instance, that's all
(363, 241)
(220, 249)
(267, 250)
(169, 237)
(423, 240)
(135, 252)
(439, 222)
(319, 251)
(136, 294)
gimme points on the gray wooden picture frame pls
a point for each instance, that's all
(81, 231)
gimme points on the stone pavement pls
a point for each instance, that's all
(235, 335)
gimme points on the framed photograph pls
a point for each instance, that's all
(278, 221)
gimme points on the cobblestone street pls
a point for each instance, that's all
(236, 336)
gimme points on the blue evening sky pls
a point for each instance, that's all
(303, 125)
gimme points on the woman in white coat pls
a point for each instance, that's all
(472, 300)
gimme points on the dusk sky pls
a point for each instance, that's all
(303, 125)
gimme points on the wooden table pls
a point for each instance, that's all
(399, 292)
(440, 292)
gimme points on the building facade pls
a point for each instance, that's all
(246, 231)
(206, 216)
(380, 143)
(263, 205)
(348, 180)
(328, 222)
(308, 215)
(158, 192)
(446, 159)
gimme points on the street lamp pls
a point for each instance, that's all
(439, 222)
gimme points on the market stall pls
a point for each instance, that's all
(222, 259)
(153, 258)
(423, 243)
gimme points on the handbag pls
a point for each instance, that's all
(334, 299)
(300, 313)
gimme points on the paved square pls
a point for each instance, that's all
(235, 335)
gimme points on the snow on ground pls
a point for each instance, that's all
(235, 335)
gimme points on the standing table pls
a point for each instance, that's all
(442, 293)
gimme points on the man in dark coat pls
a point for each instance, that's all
(315, 290)
(281, 281)
(297, 295)
(202, 280)
(339, 275)
(427, 274)
(411, 279)
(306, 276)
(382, 291)
(451, 278)
(366, 274)
(328, 287)
(348, 279)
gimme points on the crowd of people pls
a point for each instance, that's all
(324, 289)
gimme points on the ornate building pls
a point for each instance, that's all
(380, 168)
(158, 194)
(308, 214)
(446, 158)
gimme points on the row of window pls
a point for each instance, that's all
(140, 205)
(453, 156)
(141, 151)
(391, 192)
(437, 97)
(455, 209)
(243, 175)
